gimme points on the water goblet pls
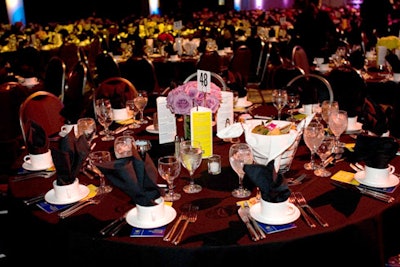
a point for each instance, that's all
(141, 102)
(313, 135)
(279, 100)
(326, 108)
(191, 156)
(132, 112)
(338, 124)
(87, 127)
(97, 157)
(293, 100)
(105, 117)
(239, 155)
(169, 167)
(324, 151)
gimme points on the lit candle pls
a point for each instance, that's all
(214, 167)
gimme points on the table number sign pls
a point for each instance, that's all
(177, 25)
(201, 128)
(166, 121)
(204, 81)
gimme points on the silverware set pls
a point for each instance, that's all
(114, 227)
(23, 177)
(252, 225)
(306, 210)
(189, 216)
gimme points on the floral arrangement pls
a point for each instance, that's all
(186, 96)
(390, 42)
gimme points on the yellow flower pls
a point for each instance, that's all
(390, 42)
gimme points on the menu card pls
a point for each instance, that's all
(225, 111)
(201, 128)
(166, 121)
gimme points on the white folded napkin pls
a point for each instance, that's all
(232, 131)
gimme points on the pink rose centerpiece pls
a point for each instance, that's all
(186, 96)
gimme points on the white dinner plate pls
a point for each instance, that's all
(255, 212)
(244, 104)
(392, 181)
(151, 129)
(131, 219)
(29, 167)
(354, 128)
(50, 196)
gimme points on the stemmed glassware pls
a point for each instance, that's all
(105, 117)
(313, 135)
(326, 108)
(240, 154)
(338, 124)
(96, 158)
(279, 99)
(141, 102)
(132, 112)
(324, 151)
(169, 167)
(293, 100)
(191, 155)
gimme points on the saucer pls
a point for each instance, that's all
(29, 167)
(151, 129)
(51, 198)
(131, 218)
(392, 181)
(256, 209)
(354, 128)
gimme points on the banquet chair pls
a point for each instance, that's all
(312, 88)
(210, 61)
(241, 62)
(75, 84)
(106, 67)
(117, 89)
(215, 78)
(43, 108)
(300, 59)
(55, 76)
(12, 95)
(70, 54)
(348, 87)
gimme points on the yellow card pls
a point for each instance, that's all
(345, 177)
(350, 146)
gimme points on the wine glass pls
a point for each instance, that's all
(97, 157)
(87, 127)
(191, 157)
(240, 154)
(141, 102)
(104, 117)
(132, 112)
(324, 151)
(279, 99)
(338, 124)
(169, 167)
(313, 135)
(326, 108)
(293, 100)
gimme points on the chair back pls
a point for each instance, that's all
(241, 62)
(55, 76)
(69, 53)
(44, 108)
(76, 83)
(300, 59)
(312, 88)
(210, 61)
(106, 67)
(215, 78)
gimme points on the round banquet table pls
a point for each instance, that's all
(362, 231)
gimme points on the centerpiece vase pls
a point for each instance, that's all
(186, 127)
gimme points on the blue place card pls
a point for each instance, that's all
(50, 208)
(269, 229)
(154, 232)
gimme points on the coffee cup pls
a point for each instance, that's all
(276, 210)
(39, 161)
(66, 192)
(396, 77)
(324, 67)
(319, 61)
(120, 114)
(151, 213)
(378, 176)
(174, 57)
(66, 128)
(30, 81)
(351, 122)
(308, 109)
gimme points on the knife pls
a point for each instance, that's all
(245, 219)
(254, 222)
(371, 193)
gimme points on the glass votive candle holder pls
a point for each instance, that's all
(214, 164)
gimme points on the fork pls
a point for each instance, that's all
(303, 203)
(91, 201)
(43, 174)
(182, 217)
(192, 217)
(292, 199)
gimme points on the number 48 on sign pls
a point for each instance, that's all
(203, 80)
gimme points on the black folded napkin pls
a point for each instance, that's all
(394, 61)
(135, 177)
(37, 141)
(69, 157)
(374, 117)
(271, 184)
(375, 151)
